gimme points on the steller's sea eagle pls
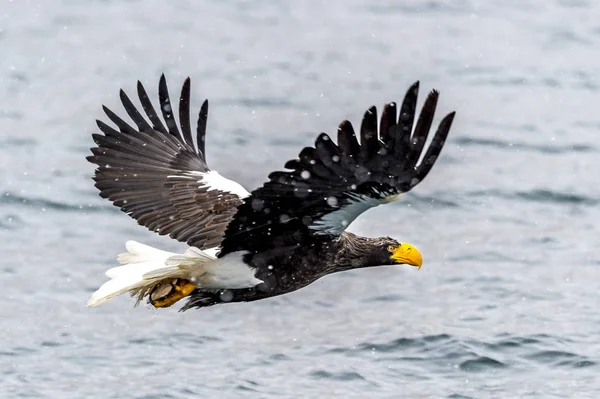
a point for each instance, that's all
(245, 246)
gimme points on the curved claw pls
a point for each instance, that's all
(168, 293)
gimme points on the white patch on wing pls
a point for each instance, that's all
(214, 181)
(212, 251)
(335, 223)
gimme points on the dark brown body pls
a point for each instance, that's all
(288, 269)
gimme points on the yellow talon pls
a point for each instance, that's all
(168, 293)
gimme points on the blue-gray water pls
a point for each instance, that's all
(506, 304)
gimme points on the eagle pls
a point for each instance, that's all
(245, 246)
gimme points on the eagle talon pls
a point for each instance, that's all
(170, 292)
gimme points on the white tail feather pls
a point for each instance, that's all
(137, 253)
(144, 267)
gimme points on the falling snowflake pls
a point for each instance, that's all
(257, 204)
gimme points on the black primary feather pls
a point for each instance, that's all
(154, 173)
(329, 185)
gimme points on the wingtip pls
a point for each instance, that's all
(413, 90)
(372, 110)
(204, 109)
(162, 83)
(186, 87)
(344, 124)
(322, 137)
(450, 116)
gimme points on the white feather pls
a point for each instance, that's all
(137, 252)
(146, 267)
(229, 272)
(137, 261)
(214, 181)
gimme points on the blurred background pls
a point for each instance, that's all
(506, 303)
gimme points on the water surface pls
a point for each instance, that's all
(506, 304)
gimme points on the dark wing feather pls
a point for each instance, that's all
(167, 109)
(388, 119)
(403, 128)
(369, 141)
(157, 176)
(329, 185)
(133, 113)
(149, 109)
(201, 129)
(184, 113)
(347, 139)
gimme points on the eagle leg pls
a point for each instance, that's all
(169, 292)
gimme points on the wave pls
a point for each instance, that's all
(440, 200)
(47, 204)
(539, 195)
(520, 146)
(457, 199)
(445, 353)
(262, 102)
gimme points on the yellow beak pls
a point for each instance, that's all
(407, 254)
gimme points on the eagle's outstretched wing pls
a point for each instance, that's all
(158, 176)
(330, 184)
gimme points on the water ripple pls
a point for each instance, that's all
(556, 197)
(341, 376)
(560, 359)
(444, 352)
(9, 198)
(481, 363)
(519, 146)
(263, 102)
(403, 343)
(438, 200)
(17, 142)
(538, 195)
(11, 222)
